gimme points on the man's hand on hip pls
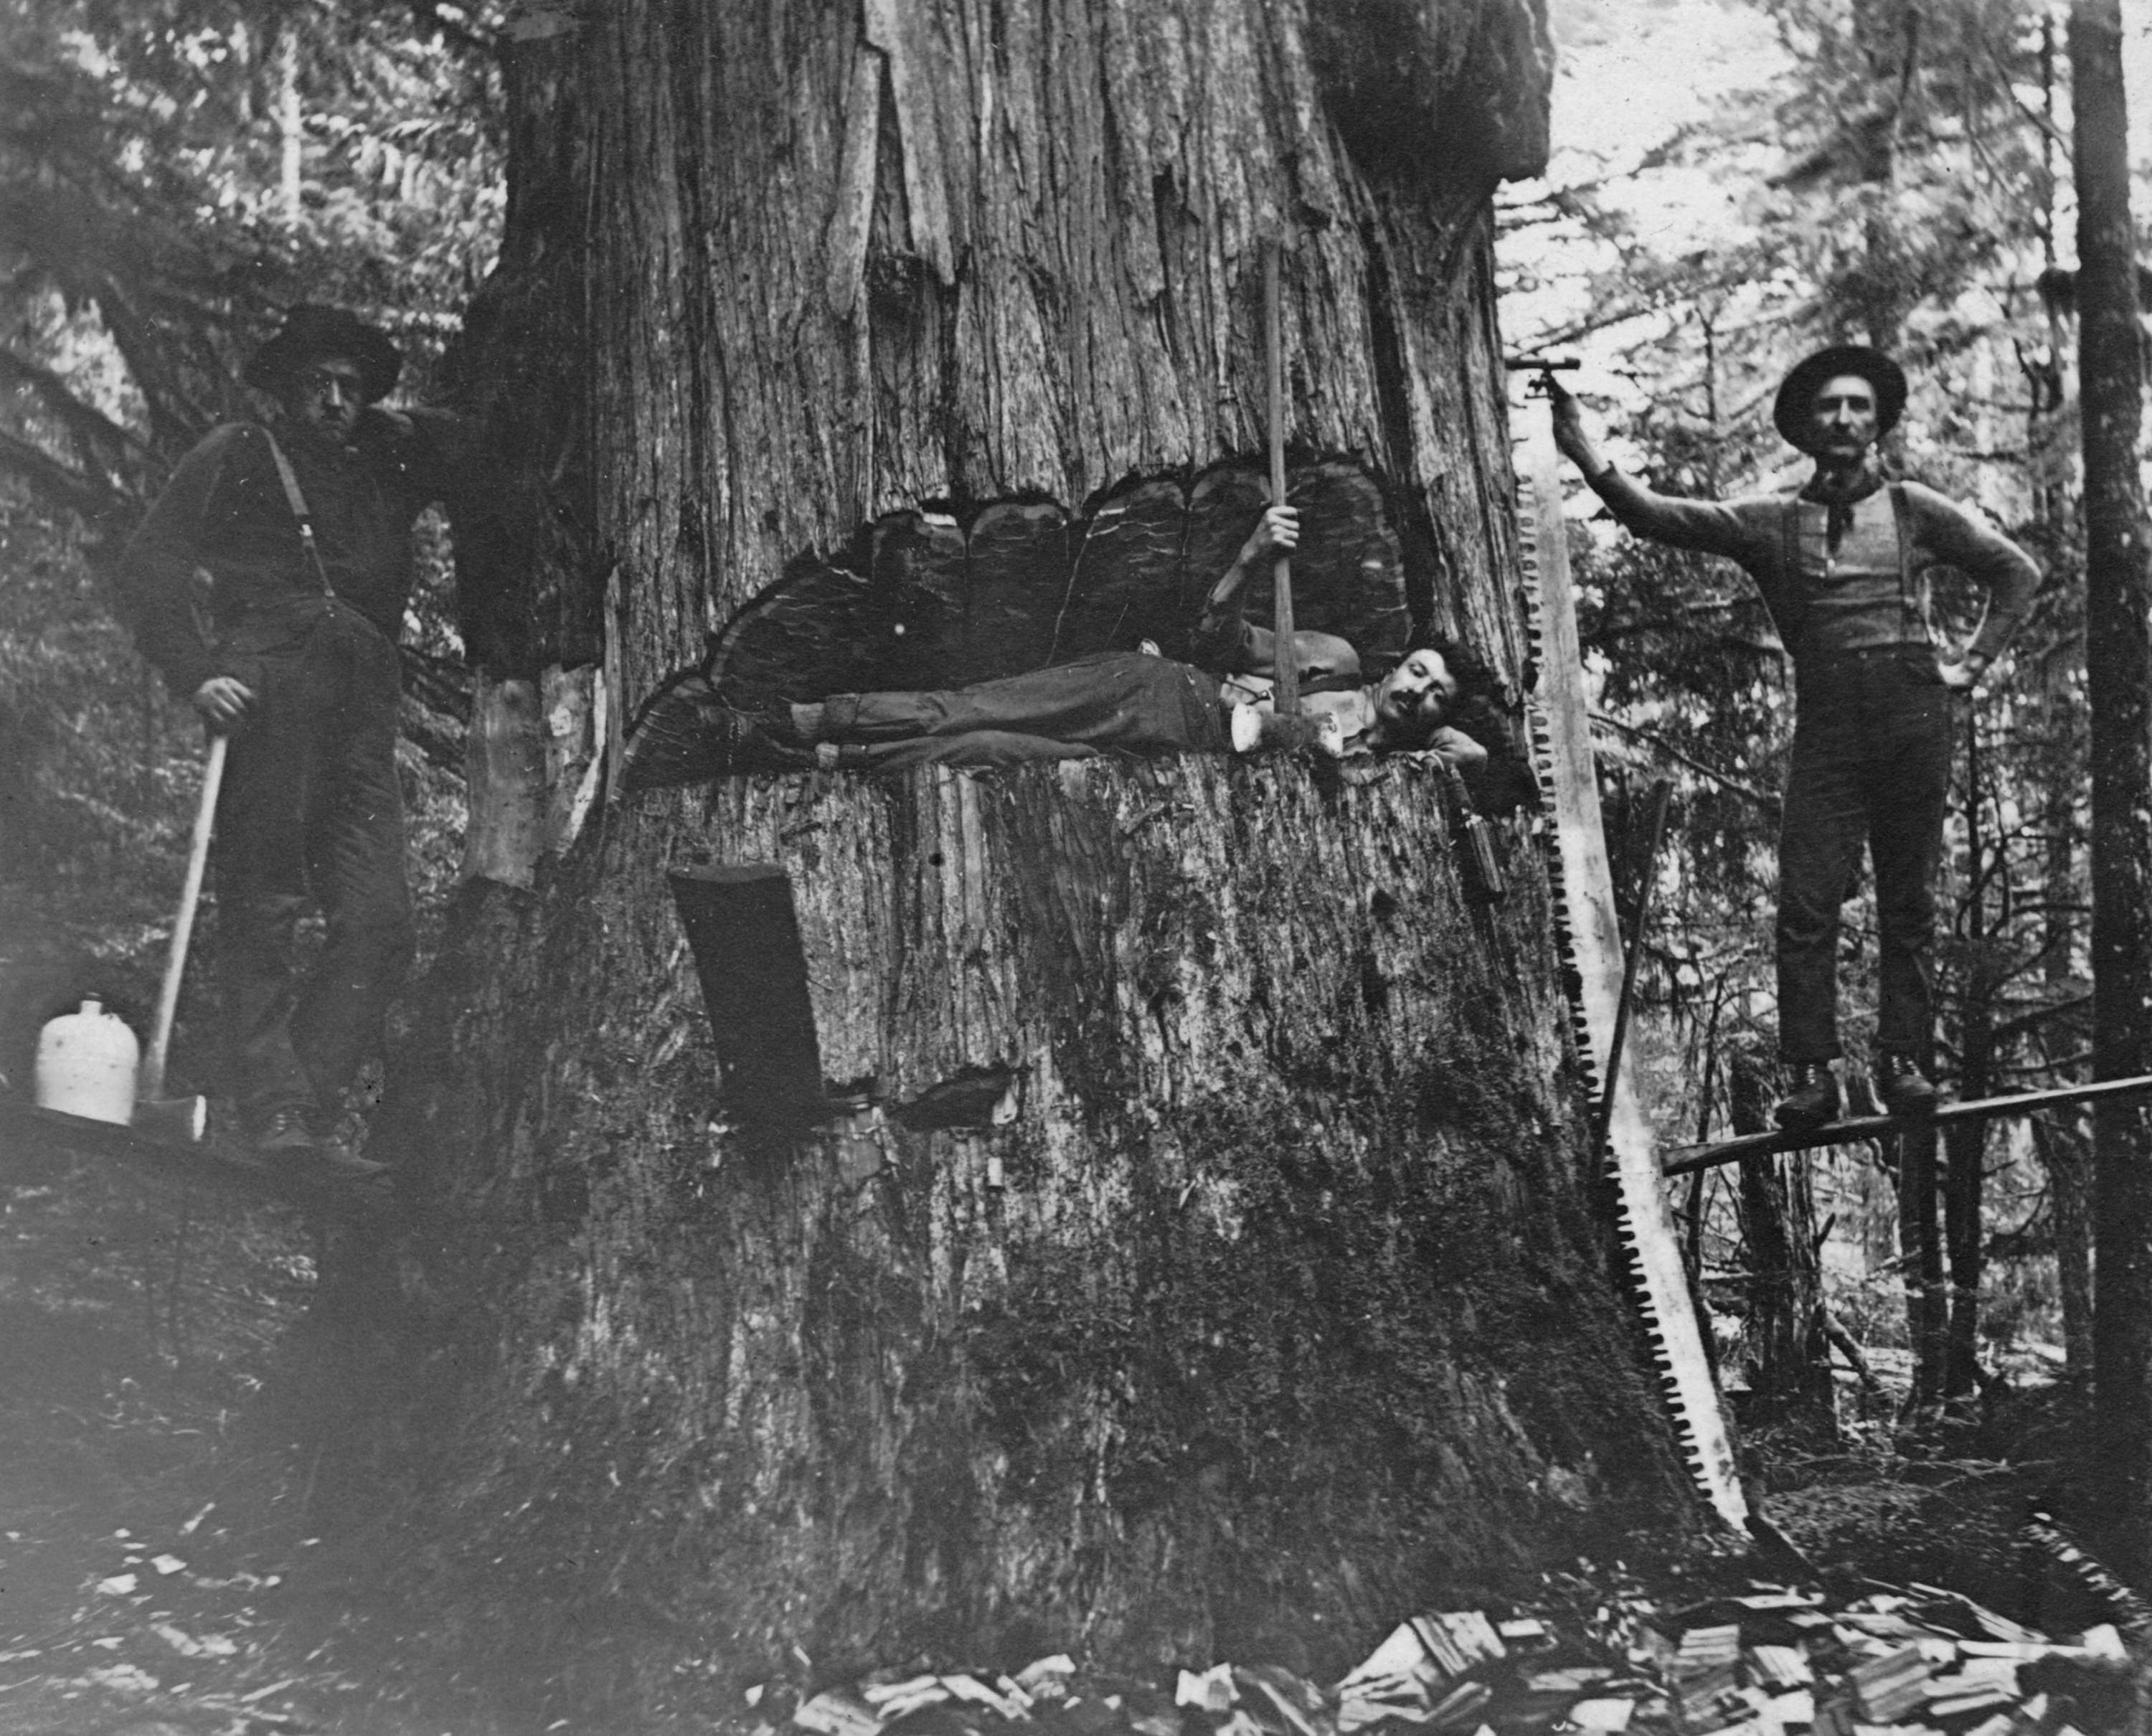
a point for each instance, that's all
(1964, 675)
(223, 701)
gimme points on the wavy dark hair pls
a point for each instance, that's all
(1476, 686)
(1506, 783)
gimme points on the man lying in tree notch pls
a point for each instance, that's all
(1133, 702)
(1844, 568)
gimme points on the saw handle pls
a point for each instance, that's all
(1543, 370)
(149, 1084)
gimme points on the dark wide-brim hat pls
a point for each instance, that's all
(1810, 375)
(311, 332)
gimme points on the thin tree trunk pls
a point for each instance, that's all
(291, 129)
(1966, 1146)
(2119, 671)
(2062, 1149)
(1921, 1257)
(1793, 1378)
(1962, 1226)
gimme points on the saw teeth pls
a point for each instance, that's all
(1671, 1330)
(2136, 1614)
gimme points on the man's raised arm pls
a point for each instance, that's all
(1226, 642)
(1224, 638)
(1711, 527)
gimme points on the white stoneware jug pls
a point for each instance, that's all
(86, 1064)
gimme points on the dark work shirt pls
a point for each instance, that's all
(224, 512)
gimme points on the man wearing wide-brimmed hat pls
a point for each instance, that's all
(302, 526)
(1844, 566)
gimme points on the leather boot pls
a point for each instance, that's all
(1811, 1096)
(1904, 1089)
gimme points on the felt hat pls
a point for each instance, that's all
(1811, 373)
(312, 331)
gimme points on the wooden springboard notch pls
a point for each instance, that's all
(1684, 1159)
(744, 933)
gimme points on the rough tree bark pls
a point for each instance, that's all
(1207, 1250)
(2119, 678)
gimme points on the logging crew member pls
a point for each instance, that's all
(1843, 565)
(300, 669)
(1137, 702)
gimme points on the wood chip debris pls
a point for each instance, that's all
(1765, 1661)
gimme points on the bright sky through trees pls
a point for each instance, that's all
(1632, 77)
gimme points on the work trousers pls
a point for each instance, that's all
(1872, 766)
(1118, 700)
(311, 815)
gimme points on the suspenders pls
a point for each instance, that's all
(1913, 618)
(1915, 622)
(297, 502)
(1790, 568)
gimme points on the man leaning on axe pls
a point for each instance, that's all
(303, 527)
(1843, 564)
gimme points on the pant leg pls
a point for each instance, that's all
(1908, 796)
(978, 747)
(1123, 700)
(355, 863)
(1823, 827)
(261, 880)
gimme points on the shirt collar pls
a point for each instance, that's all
(1856, 485)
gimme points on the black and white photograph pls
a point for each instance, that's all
(1075, 868)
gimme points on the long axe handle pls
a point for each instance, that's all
(1286, 669)
(150, 1084)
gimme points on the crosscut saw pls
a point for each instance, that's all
(1590, 936)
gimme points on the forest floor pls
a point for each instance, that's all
(162, 1569)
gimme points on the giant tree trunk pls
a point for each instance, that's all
(1208, 1250)
(2119, 676)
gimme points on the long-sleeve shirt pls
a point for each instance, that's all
(1229, 644)
(1872, 589)
(224, 512)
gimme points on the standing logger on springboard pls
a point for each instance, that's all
(1843, 564)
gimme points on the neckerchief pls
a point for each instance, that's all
(1839, 496)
